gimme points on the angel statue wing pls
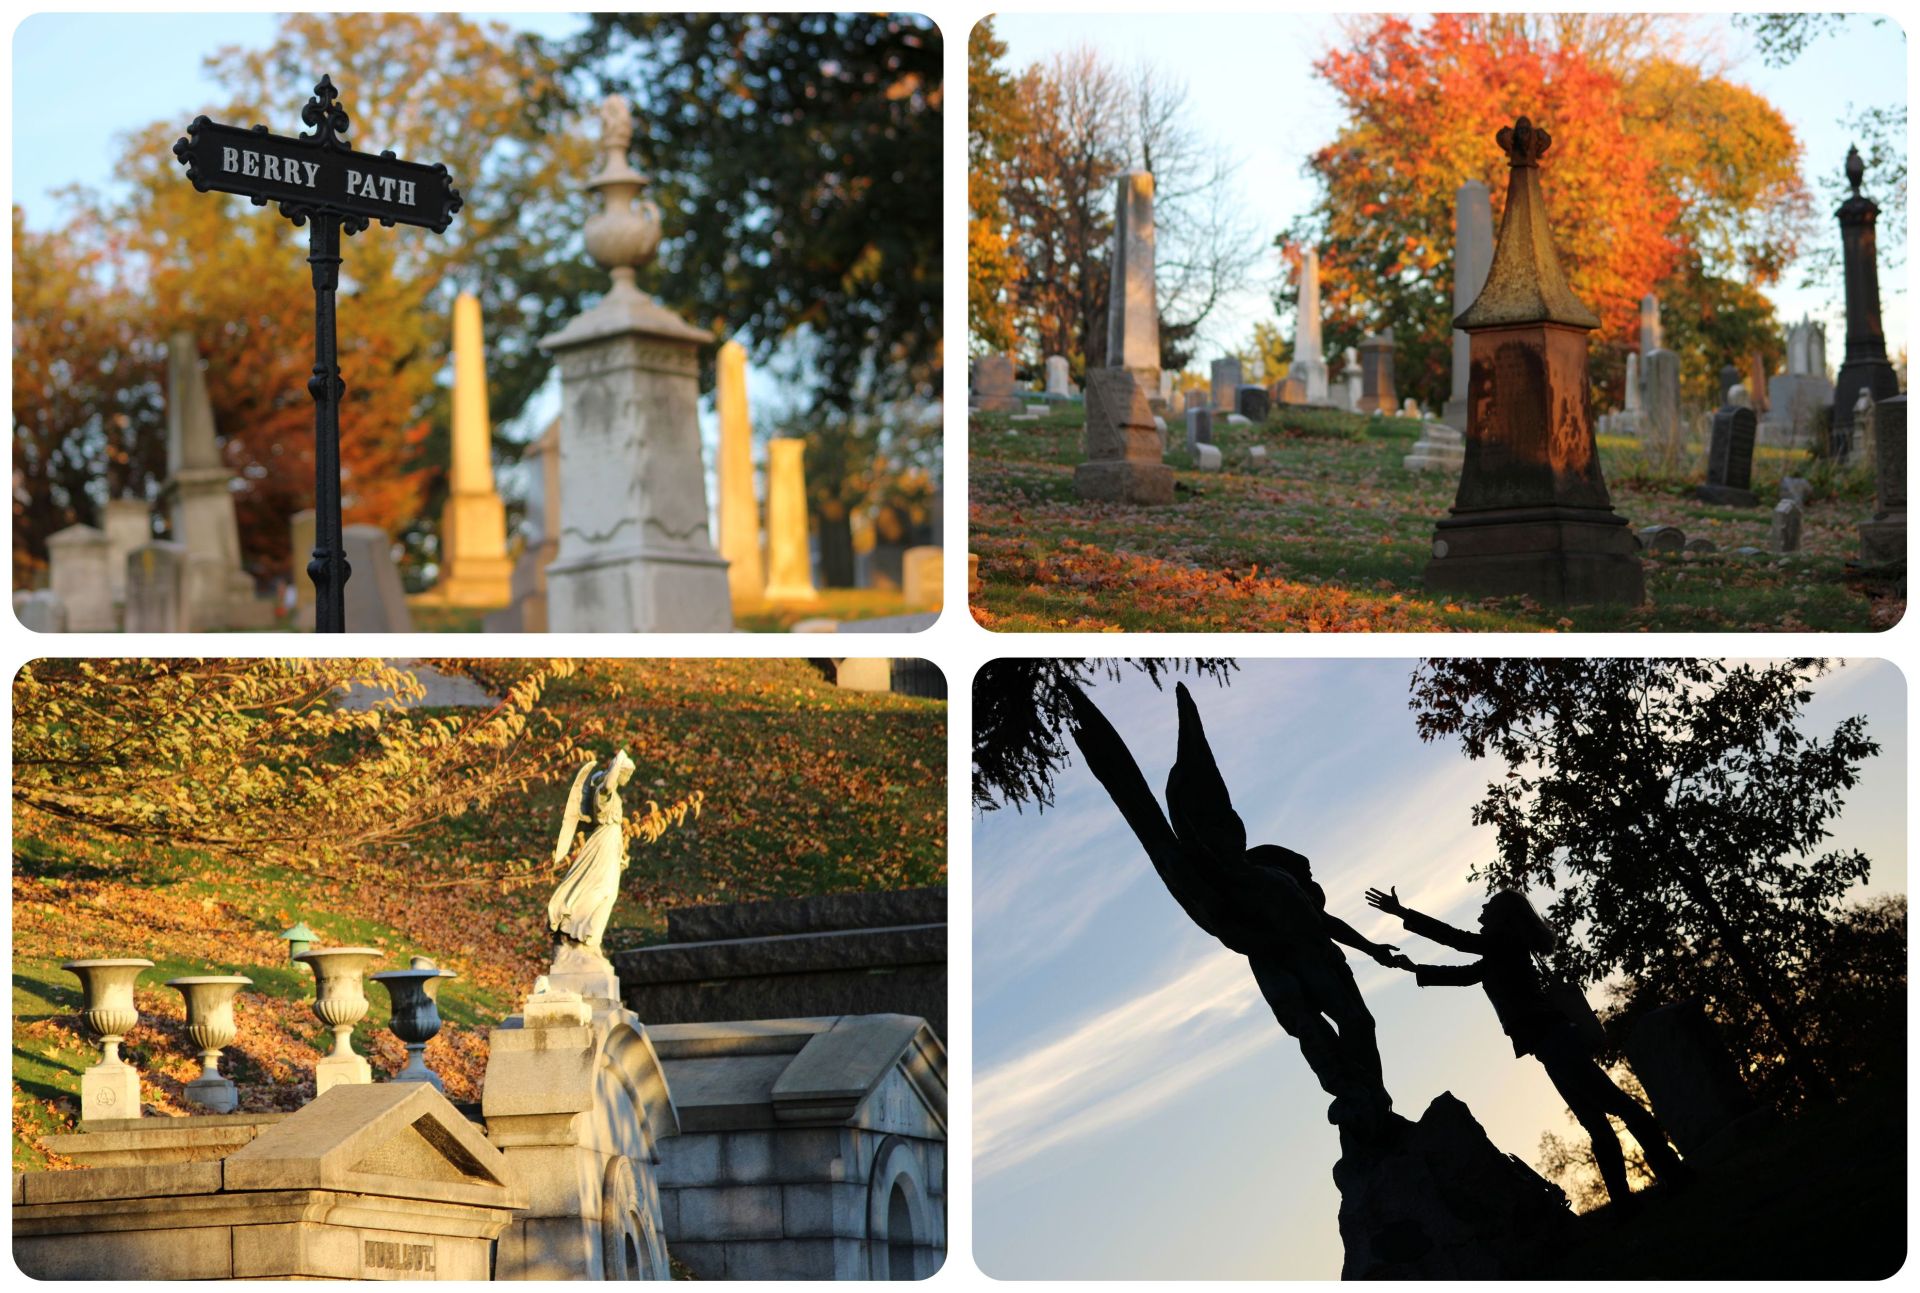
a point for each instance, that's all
(1198, 804)
(571, 822)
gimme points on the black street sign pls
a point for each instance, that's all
(318, 177)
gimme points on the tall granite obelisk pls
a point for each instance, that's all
(1532, 516)
(739, 508)
(200, 501)
(1133, 311)
(1472, 255)
(635, 556)
(474, 567)
(1309, 364)
(1865, 368)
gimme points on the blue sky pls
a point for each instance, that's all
(1251, 86)
(1137, 1112)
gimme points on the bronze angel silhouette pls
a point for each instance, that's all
(1262, 902)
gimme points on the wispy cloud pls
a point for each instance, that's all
(1120, 1064)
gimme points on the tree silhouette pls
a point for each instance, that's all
(1668, 803)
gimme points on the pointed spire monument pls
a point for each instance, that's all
(1532, 516)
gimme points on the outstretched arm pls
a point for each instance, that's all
(1426, 926)
(1341, 932)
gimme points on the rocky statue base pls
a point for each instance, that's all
(1438, 1200)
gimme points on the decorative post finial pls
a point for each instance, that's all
(1524, 143)
(1856, 168)
(624, 234)
(324, 113)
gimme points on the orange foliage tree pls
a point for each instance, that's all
(1662, 178)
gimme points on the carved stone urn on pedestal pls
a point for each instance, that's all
(340, 1002)
(210, 1023)
(111, 1088)
(416, 1014)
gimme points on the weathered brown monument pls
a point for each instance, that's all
(1532, 517)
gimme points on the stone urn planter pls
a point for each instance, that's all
(111, 1088)
(340, 1002)
(210, 1023)
(415, 993)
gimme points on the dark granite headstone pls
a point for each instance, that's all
(836, 954)
(1251, 403)
(1730, 459)
(1376, 374)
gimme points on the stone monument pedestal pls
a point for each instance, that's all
(1560, 556)
(1439, 448)
(634, 556)
(109, 1090)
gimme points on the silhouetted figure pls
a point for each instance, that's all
(1511, 935)
(1262, 902)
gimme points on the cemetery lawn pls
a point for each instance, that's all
(834, 604)
(1334, 534)
(808, 789)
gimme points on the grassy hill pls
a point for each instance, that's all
(1334, 534)
(808, 789)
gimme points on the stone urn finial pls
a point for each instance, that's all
(111, 1088)
(340, 1002)
(624, 234)
(415, 993)
(210, 1023)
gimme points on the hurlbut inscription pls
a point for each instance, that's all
(318, 178)
(386, 1255)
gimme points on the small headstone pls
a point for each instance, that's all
(1662, 538)
(1730, 459)
(1439, 448)
(993, 385)
(1207, 457)
(1257, 458)
(1797, 488)
(1411, 408)
(1785, 535)
(376, 602)
(1661, 432)
(1251, 403)
(1235, 420)
(921, 572)
(1199, 428)
(1226, 381)
(1701, 545)
(157, 588)
(1059, 379)
(1123, 448)
(77, 574)
(40, 611)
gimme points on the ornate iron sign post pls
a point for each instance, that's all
(318, 179)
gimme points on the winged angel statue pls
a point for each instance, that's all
(1262, 902)
(580, 908)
